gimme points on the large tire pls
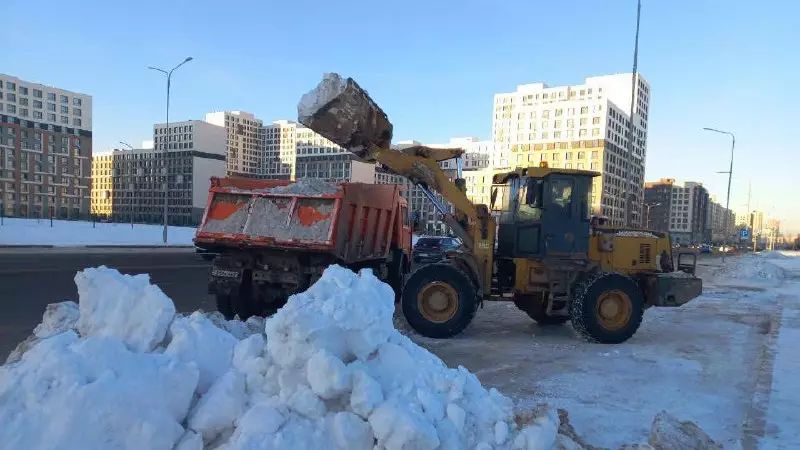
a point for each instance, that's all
(225, 306)
(536, 309)
(607, 308)
(439, 300)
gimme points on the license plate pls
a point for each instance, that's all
(225, 273)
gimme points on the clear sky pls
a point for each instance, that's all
(435, 65)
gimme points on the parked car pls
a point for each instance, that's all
(705, 248)
(431, 249)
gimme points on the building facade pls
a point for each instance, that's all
(582, 126)
(188, 153)
(45, 150)
(246, 154)
(720, 222)
(679, 208)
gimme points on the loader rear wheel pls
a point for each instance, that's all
(439, 300)
(607, 308)
(536, 308)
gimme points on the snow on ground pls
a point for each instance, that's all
(727, 360)
(15, 231)
(329, 371)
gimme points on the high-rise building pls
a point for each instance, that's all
(720, 222)
(581, 127)
(246, 154)
(135, 192)
(678, 208)
(45, 150)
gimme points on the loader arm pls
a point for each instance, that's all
(342, 112)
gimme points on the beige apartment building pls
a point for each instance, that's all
(45, 150)
(246, 153)
(581, 126)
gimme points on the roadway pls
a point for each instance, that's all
(32, 278)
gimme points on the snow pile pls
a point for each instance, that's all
(329, 88)
(306, 186)
(123, 370)
(67, 233)
(772, 254)
(749, 269)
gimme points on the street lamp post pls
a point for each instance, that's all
(730, 175)
(130, 147)
(166, 147)
(647, 217)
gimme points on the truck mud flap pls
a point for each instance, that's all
(673, 291)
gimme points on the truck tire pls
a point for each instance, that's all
(535, 308)
(439, 300)
(225, 306)
(607, 308)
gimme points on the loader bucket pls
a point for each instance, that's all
(673, 289)
(340, 110)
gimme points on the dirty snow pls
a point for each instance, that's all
(749, 270)
(330, 87)
(67, 233)
(329, 371)
(306, 186)
(727, 361)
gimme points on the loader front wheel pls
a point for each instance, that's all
(439, 300)
(607, 308)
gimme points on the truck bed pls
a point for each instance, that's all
(351, 221)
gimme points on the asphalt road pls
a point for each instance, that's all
(31, 279)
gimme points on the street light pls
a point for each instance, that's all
(130, 147)
(169, 135)
(730, 175)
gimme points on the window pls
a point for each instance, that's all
(23, 90)
(11, 86)
(23, 112)
(76, 101)
(595, 120)
(11, 97)
(582, 132)
(581, 155)
(583, 121)
(37, 104)
(596, 132)
(64, 109)
(37, 93)
(37, 114)
(51, 96)
(64, 99)
(65, 119)
(76, 112)
(11, 108)
(51, 107)
(584, 109)
(51, 117)
(23, 101)
(76, 121)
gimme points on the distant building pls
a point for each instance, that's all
(580, 127)
(245, 149)
(45, 150)
(678, 208)
(720, 222)
(129, 184)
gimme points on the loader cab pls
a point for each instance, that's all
(542, 212)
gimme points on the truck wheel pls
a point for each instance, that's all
(225, 306)
(439, 300)
(535, 308)
(607, 308)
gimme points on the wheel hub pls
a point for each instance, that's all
(437, 301)
(614, 309)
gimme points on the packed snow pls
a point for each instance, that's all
(123, 370)
(750, 270)
(329, 88)
(67, 233)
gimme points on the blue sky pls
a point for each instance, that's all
(435, 65)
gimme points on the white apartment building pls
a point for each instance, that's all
(128, 185)
(581, 126)
(246, 153)
(45, 150)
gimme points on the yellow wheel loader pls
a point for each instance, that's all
(544, 252)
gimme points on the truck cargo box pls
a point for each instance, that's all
(350, 221)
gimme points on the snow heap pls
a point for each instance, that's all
(123, 370)
(749, 270)
(331, 86)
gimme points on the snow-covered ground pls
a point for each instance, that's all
(727, 360)
(67, 233)
(330, 371)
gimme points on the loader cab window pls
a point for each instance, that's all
(561, 195)
(530, 200)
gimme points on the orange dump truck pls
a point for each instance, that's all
(274, 238)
